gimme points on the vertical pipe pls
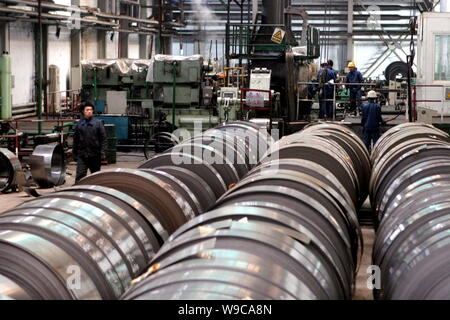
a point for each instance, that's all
(410, 113)
(174, 71)
(5, 87)
(227, 35)
(39, 65)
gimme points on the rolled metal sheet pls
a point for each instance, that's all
(304, 205)
(326, 156)
(225, 272)
(308, 167)
(160, 198)
(48, 166)
(301, 258)
(39, 261)
(410, 188)
(384, 164)
(354, 148)
(225, 147)
(401, 163)
(314, 188)
(431, 170)
(196, 290)
(239, 144)
(10, 290)
(139, 242)
(29, 261)
(272, 218)
(249, 262)
(101, 256)
(180, 187)
(146, 216)
(432, 167)
(255, 138)
(9, 167)
(211, 156)
(195, 164)
(403, 132)
(195, 183)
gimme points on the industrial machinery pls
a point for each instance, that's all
(145, 97)
(269, 43)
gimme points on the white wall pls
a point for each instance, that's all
(133, 46)
(59, 53)
(89, 45)
(112, 47)
(22, 62)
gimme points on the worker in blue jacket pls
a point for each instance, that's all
(371, 120)
(326, 77)
(354, 76)
(89, 142)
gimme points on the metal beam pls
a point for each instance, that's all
(350, 43)
(4, 37)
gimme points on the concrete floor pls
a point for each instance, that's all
(361, 291)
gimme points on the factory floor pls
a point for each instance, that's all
(361, 292)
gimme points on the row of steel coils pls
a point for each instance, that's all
(89, 241)
(410, 195)
(287, 230)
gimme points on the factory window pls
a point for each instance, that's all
(442, 63)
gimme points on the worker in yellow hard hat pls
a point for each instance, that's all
(354, 76)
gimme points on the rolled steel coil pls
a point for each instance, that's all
(9, 167)
(195, 183)
(243, 256)
(86, 242)
(332, 147)
(48, 167)
(410, 188)
(220, 156)
(158, 193)
(287, 230)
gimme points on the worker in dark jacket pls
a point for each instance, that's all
(326, 77)
(354, 76)
(371, 120)
(89, 142)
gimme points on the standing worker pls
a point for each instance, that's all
(354, 76)
(371, 120)
(89, 142)
(326, 78)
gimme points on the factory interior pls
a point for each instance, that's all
(224, 150)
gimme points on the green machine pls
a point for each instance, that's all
(178, 91)
(166, 89)
(5, 87)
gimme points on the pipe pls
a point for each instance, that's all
(48, 5)
(5, 87)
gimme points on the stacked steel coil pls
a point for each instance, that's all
(48, 167)
(9, 167)
(288, 230)
(84, 242)
(410, 192)
(107, 228)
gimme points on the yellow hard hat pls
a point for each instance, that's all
(351, 64)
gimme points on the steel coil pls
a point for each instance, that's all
(270, 239)
(48, 167)
(410, 188)
(9, 167)
(287, 230)
(161, 198)
(81, 243)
